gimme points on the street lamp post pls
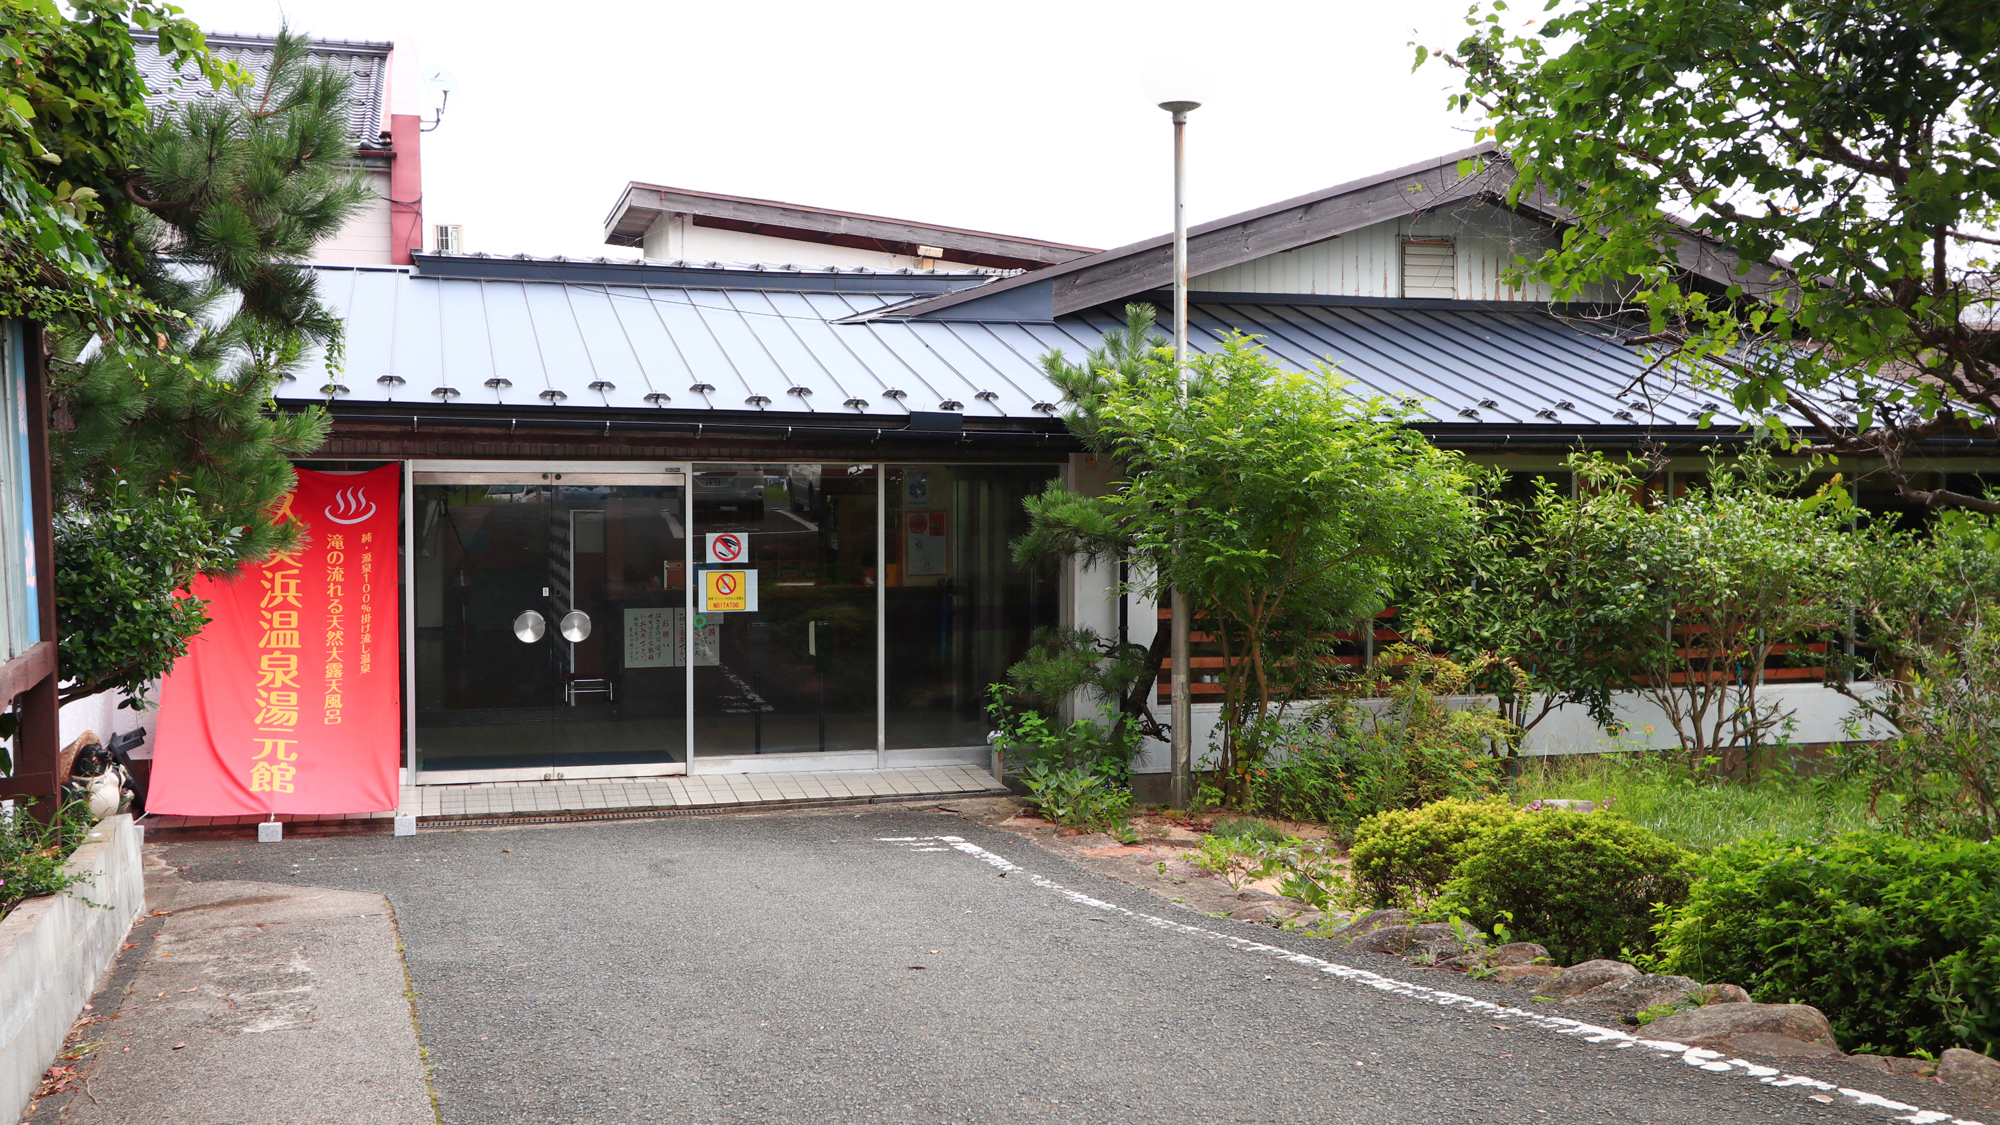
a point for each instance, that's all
(1181, 784)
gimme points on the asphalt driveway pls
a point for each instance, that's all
(832, 967)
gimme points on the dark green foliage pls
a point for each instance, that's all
(1280, 503)
(1339, 762)
(122, 573)
(1582, 884)
(1896, 940)
(33, 854)
(1856, 139)
(72, 105)
(1416, 850)
(1078, 796)
(241, 188)
(1062, 662)
(238, 190)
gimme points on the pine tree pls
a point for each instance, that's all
(235, 192)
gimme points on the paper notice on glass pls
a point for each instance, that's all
(925, 537)
(657, 638)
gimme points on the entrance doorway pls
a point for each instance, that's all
(549, 633)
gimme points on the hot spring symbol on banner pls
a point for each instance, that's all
(290, 700)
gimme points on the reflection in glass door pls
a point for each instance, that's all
(550, 621)
(798, 672)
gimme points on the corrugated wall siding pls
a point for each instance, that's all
(1368, 262)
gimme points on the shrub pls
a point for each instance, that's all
(1077, 798)
(1340, 764)
(1896, 940)
(33, 854)
(1582, 884)
(1417, 849)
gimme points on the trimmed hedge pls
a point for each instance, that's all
(1582, 884)
(1418, 849)
(1896, 940)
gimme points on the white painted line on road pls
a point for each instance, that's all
(1699, 1057)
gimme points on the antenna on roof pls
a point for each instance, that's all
(442, 84)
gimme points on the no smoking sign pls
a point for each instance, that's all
(728, 547)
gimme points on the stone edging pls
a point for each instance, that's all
(54, 949)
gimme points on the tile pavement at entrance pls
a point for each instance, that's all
(545, 798)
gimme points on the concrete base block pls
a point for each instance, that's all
(270, 832)
(406, 825)
(53, 949)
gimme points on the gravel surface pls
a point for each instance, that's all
(796, 968)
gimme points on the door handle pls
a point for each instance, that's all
(575, 626)
(529, 627)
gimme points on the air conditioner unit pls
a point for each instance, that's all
(447, 238)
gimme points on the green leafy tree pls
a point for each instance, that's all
(1283, 504)
(1526, 595)
(1687, 602)
(72, 106)
(1853, 140)
(233, 193)
(1924, 605)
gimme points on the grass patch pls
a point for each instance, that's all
(1701, 812)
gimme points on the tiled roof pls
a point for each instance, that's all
(533, 335)
(367, 62)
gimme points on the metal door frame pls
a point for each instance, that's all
(634, 473)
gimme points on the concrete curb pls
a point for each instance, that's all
(54, 949)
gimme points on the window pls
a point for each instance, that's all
(447, 238)
(1430, 268)
(20, 618)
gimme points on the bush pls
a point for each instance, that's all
(1077, 798)
(1896, 940)
(1582, 884)
(1341, 764)
(1417, 849)
(33, 854)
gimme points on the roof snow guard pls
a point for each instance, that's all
(368, 63)
(542, 338)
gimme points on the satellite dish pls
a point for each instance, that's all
(442, 84)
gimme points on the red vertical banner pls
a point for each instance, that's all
(290, 701)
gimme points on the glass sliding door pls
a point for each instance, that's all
(958, 612)
(549, 621)
(485, 683)
(794, 669)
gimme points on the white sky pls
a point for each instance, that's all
(1032, 117)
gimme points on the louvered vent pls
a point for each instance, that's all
(1430, 268)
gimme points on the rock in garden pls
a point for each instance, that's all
(1536, 977)
(1958, 1065)
(1759, 1027)
(1637, 993)
(1262, 912)
(1373, 920)
(1590, 974)
(1513, 953)
(1723, 994)
(1392, 940)
(1518, 953)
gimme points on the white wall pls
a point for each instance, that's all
(1368, 262)
(365, 239)
(1819, 714)
(101, 714)
(673, 238)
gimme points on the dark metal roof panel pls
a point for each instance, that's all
(550, 345)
